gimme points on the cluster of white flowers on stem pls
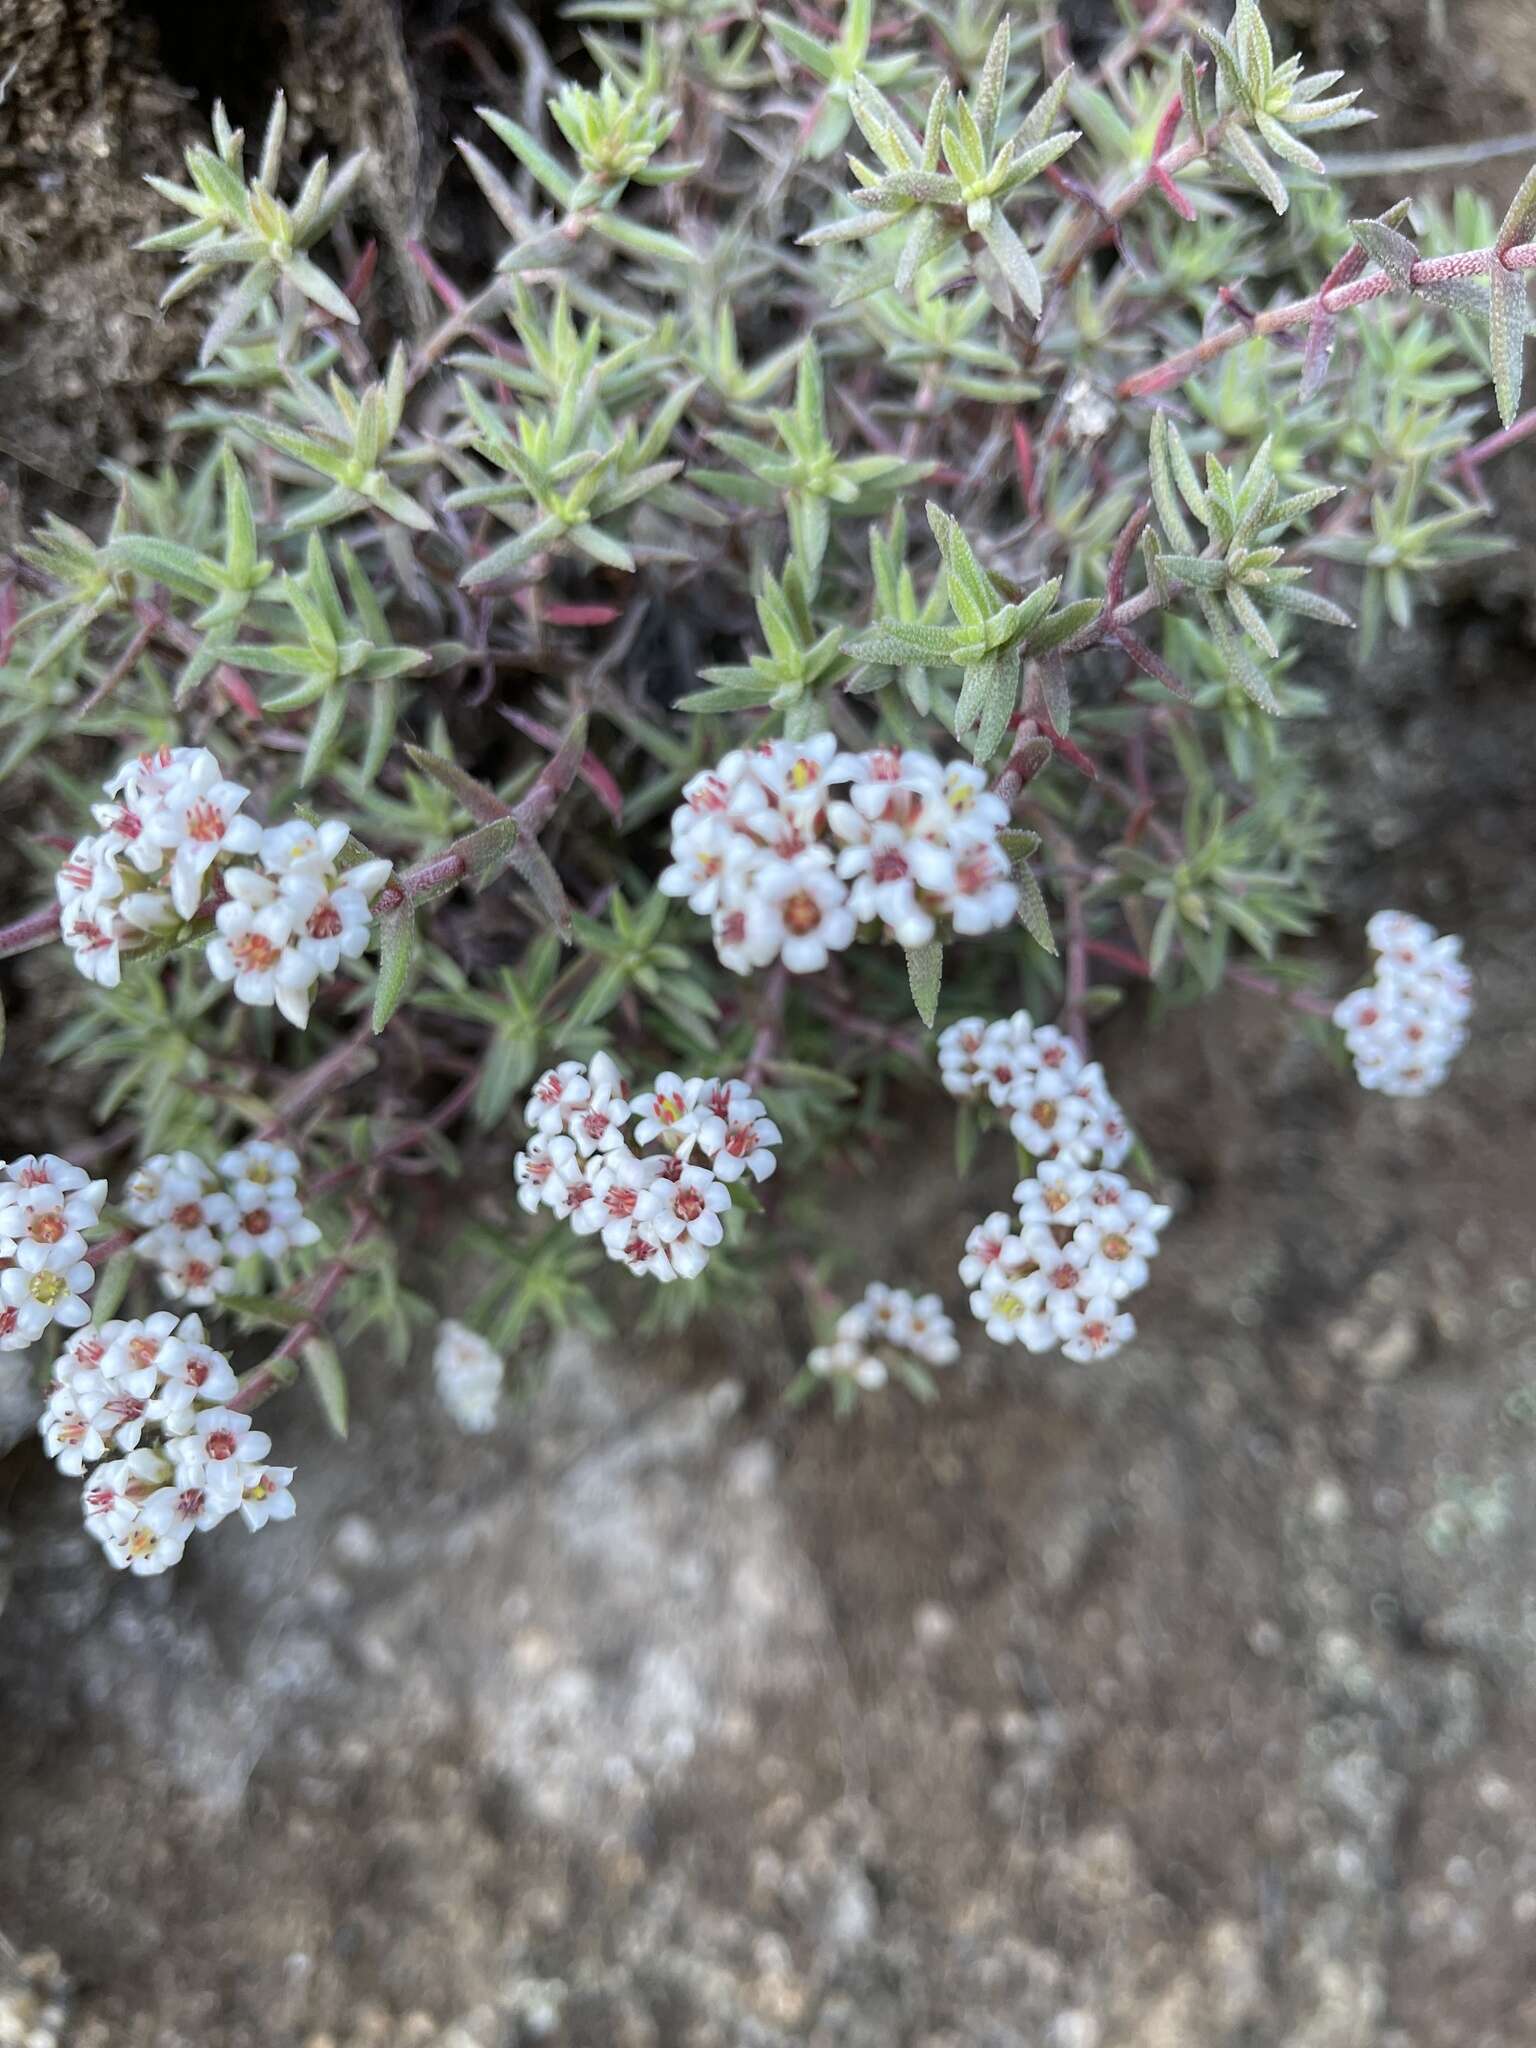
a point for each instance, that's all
(469, 1374)
(142, 1402)
(197, 1219)
(787, 870)
(1058, 1271)
(1404, 1030)
(886, 1335)
(46, 1207)
(657, 1212)
(1057, 1103)
(174, 842)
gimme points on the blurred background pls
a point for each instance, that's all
(1189, 1704)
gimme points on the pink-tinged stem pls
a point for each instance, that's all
(419, 880)
(1119, 956)
(1298, 312)
(266, 1379)
(1495, 444)
(119, 1241)
(28, 932)
(445, 1113)
(591, 770)
(1301, 999)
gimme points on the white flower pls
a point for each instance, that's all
(142, 1550)
(70, 1436)
(531, 1170)
(639, 1249)
(299, 848)
(959, 1049)
(1096, 1328)
(882, 870)
(682, 1211)
(747, 935)
(575, 1186)
(271, 1227)
(221, 1450)
(42, 1291)
(1009, 1310)
(985, 1246)
(258, 1170)
(194, 822)
(253, 948)
(846, 1358)
(597, 1125)
(972, 880)
(192, 1371)
(737, 1135)
(186, 1505)
(1405, 1029)
(266, 1496)
(557, 1094)
(930, 1333)
(1118, 1241)
(333, 920)
(115, 1492)
(1057, 1192)
(809, 908)
(191, 1262)
(671, 1109)
(46, 1216)
(469, 1376)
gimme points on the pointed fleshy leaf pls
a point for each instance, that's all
(925, 976)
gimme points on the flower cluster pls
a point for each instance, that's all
(886, 1335)
(1404, 1030)
(197, 1219)
(657, 1212)
(46, 1207)
(469, 1376)
(785, 870)
(143, 1402)
(174, 842)
(1057, 1103)
(1058, 1272)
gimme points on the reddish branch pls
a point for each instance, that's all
(1331, 299)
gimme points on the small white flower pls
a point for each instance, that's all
(194, 823)
(42, 1292)
(469, 1376)
(70, 1436)
(259, 1170)
(1056, 1193)
(809, 907)
(254, 949)
(557, 1094)
(1096, 1328)
(846, 1358)
(671, 1110)
(185, 1506)
(222, 1449)
(985, 1246)
(144, 1551)
(959, 1050)
(192, 1371)
(192, 1264)
(299, 848)
(531, 1170)
(267, 1497)
(737, 1135)
(1007, 1308)
(682, 1211)
(973, 881)
(333, 920)
(272, 1227)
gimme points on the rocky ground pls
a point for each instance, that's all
(1187, 1704)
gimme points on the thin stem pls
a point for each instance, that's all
(265, 1379)
(34, 930)
(1299, 312)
